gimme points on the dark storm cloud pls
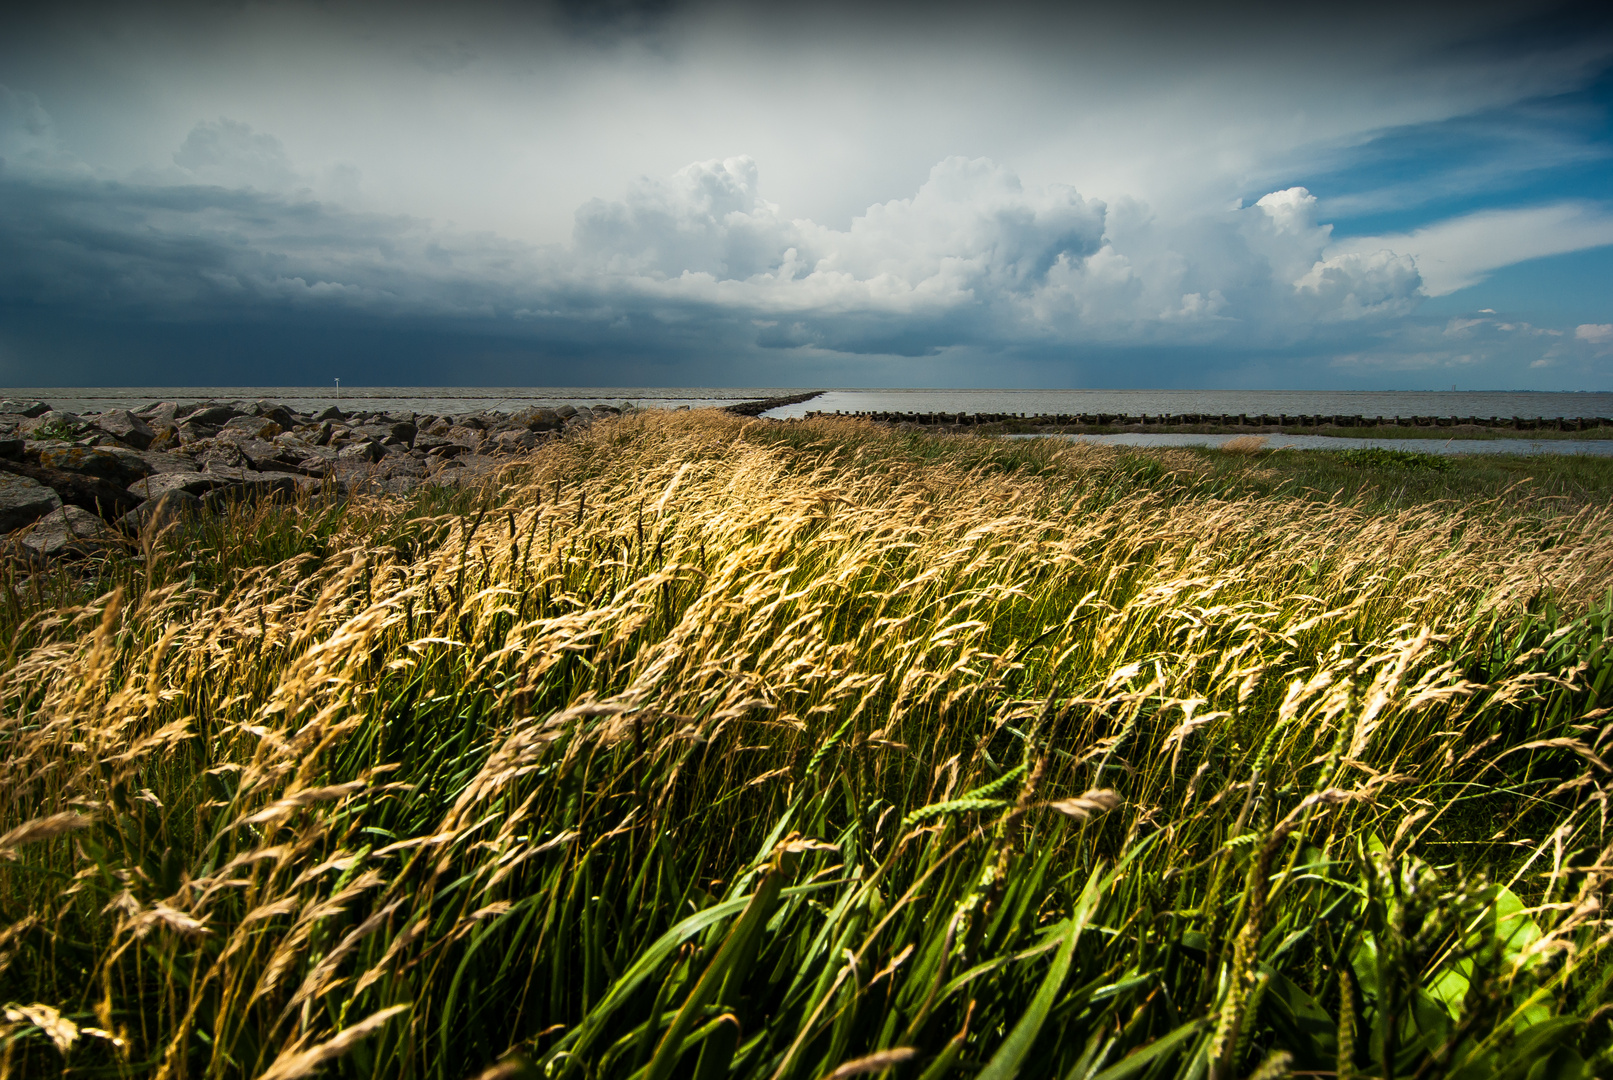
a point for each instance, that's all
(607, 19)
(229, 182)
(185, 252)
(693, 274)
(973, 259)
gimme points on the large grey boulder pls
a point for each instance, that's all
(273, 410)
(250, 427)
(539, 419)
(24, 501)
(159, 414)
(30, 409)
(56, 424)
(161, 461)
(284, 460)
(256, 486)
(96, 494)
(378, 432)
(189, 432)
(262, 454)
(191, 483)
(122, 467)
(67, 530)
(442, 450)
(510, 442)
(208, 414)
(368, 451)
(126, 427)
(221, 455)
(156, 514)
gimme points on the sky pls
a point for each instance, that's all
(666, 193)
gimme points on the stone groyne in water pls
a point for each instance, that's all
(1234, 423)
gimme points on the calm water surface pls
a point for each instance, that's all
(450, 399)
(1591, 447)
(1132, 402)
(436, 400)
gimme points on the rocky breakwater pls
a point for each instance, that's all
(71, 484)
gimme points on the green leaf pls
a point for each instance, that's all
(1004, 1064)
(1564, 1063)
(578, 1039)
(1157, 1050)
(716, 973)
(1303, 1027)
(1515, 927)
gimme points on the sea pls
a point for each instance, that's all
(451, 400)
(448, 400)
(433, 400)
(1370, 403)
(1572, 447)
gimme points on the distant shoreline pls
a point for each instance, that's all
(1346, 427)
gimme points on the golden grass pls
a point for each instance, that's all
(423, 797)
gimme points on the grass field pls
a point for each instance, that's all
(700, 747)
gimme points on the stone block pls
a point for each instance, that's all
(157, 514)
(538, 419)
(53, 425)
(367, 451)
(209, 415)
(271, 410)
(249, 427)
(191, 483)
(24, 501)
(122, 467)
(159, 414)
(67, 530)
(126, 427)
(30, 409)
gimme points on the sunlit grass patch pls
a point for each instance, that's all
(702, 747)
(1377, 457)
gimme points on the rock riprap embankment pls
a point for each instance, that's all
(69, 482)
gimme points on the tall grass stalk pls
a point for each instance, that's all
(703, 748)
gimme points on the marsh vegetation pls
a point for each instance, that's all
(702, 747)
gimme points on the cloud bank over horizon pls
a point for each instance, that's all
(212, 251)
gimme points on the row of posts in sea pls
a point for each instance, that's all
(1231, 420)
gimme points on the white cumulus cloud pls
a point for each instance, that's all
(1462, 251)
(977, 256)
(1359, 285)
(229, 153)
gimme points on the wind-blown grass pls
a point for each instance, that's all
(706, 748)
